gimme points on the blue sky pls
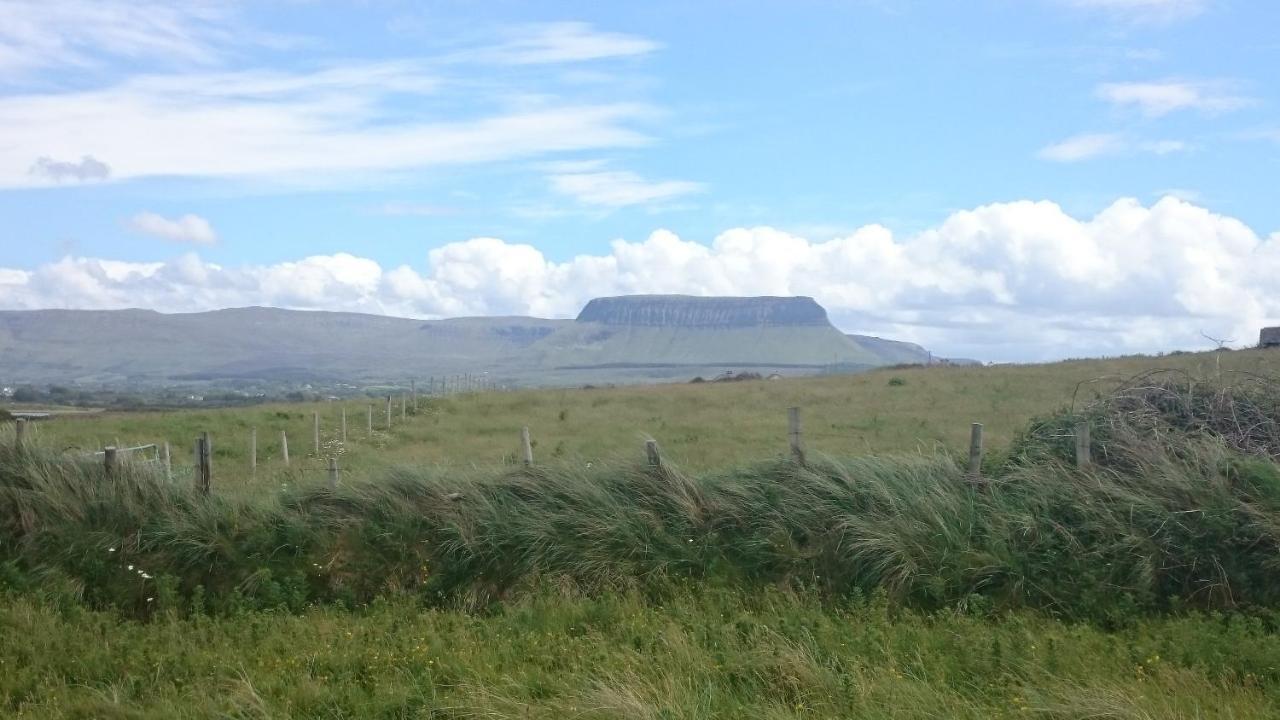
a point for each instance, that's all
(995, 177)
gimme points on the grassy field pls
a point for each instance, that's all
(704, 654)
(443, 581)
(699, 426)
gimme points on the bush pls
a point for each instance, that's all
(897, 382)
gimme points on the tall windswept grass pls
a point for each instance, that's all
(1177, 513)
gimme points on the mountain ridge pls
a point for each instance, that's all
(617, 339)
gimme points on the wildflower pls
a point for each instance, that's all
(130, 567)
(150, 599)
(111, 549)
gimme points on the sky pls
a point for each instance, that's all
(1006, 180)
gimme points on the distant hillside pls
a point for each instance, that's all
(632, 338)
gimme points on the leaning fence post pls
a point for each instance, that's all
(1083, 449)
(253, 451)
(315, 433)
(651, 452)
(333, 473)
(109, 460)
(284, 447)
(526, 446)
(20, 431)
(793, 434)
(975, 450)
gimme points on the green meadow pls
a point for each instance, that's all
(443, 579)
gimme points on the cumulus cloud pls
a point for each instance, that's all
(1017, 280)
(1156, 99)
(89, 168)
(186, 229)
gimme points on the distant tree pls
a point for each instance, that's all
(26, 394)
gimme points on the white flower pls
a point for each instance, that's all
(150, 599)
(130, 567)
(111, 549)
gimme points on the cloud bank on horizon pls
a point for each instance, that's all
(443, 162)
(1132, 278)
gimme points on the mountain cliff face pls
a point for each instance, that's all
(688, 311)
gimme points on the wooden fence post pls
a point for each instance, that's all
(651, 452)
(344, 426)
(526, 446)
(204, 463)
(109, 460)
(403, 408)
(20, 431)
(413, 392)
(1084, 452)
(975, 450)
(388, 412)
(333, 473)
(315, 433)
(370, 419)
(284, 447)
(793, 434)
(167, 459)
(253, 451)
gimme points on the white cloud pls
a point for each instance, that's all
(1145, 11)
(1156, 99)
(1083, 147)
(189, 228)
(619, 188)
(1002, 281)
(300, 126)
(561, 42)
(37, 34)
(89, 168)
(1093, 145)
(413, 209)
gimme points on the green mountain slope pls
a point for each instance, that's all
(614, 339)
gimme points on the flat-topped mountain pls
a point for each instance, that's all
(690, 311)
(618, 339)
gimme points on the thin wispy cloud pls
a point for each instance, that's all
(40, 34)
(1145, 11)
(277, 124)
(412, 209)
(619, 188)
(190, 229)
(562, 42)
(1083, 147)
(1157, 99)
(1088, 146)
(314, 126)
